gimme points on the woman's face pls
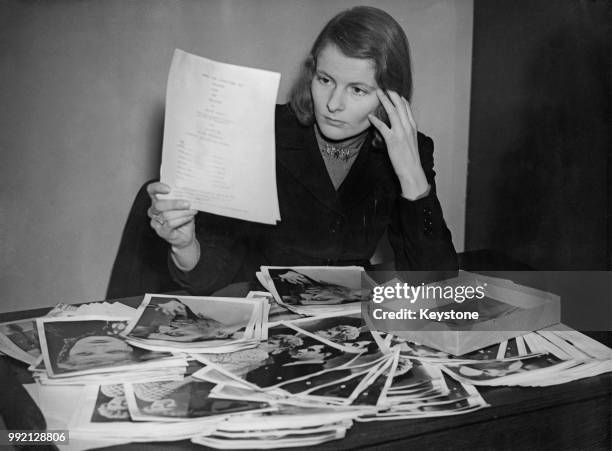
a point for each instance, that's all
(341, 332)
(281, 342)
(359, 344)
(343, 93)
(315, 352)
(99, 349)
(187, 331)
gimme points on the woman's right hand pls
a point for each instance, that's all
(174, 221)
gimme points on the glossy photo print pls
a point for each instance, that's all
(348, 333)
(316, 286)
(181, 400)
(20, 340)
(187, 319)
(87, 345)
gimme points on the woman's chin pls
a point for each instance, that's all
(332, 133)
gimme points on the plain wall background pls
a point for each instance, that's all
(540, 136)
(82, 86)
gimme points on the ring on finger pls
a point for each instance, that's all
(158, 219)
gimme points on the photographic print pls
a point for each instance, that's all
(338, 380)
(500, 372)
(347, 333)
(86, 345)
(315, 287)
(181, 400)
(277, 313)
(417, 350)
(420, 376)
(189, 319)
(293, 355)
(111, 405)
(21, 338)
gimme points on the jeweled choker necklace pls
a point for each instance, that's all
(342, 151)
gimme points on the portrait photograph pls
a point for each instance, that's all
(316, 286)
(73, 346)
(188, 319)
(226, 184)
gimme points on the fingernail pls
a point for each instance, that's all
(184, 204)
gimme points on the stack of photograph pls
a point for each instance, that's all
(198, 324)
(167, 409)
(314, 290)
(92, 349)
(260, 371)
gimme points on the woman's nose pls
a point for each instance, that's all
(335, 102)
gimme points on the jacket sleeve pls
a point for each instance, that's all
(418, 234)
(223, 249)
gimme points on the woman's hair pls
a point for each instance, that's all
(360, 32)
(63, 360)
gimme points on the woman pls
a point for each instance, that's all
(350, 166)
(94, 351)
(96, 347)
(171, 320)
(295, 288)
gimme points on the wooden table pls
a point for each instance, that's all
(570, 416)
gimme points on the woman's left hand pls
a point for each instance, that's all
(293, 277)
(401, 141)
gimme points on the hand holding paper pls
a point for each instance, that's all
(218, 148)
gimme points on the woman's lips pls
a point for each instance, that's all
(334, 122)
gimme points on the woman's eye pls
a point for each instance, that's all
(359, 91)
(323, 80)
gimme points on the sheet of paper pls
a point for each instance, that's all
(58, 405)
(219, 147)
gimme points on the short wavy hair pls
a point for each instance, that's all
(360, 32)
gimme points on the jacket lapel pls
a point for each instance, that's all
(299, 154)
(362, 178)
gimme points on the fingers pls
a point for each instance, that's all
(157, 188)
(400, 107)
(165, 228)
(398, 110)
(178, 222)
(380, 125)
(409, 112)
(163, 205)
(171, 216)
(390, 108)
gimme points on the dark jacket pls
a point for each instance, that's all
(322, 226)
